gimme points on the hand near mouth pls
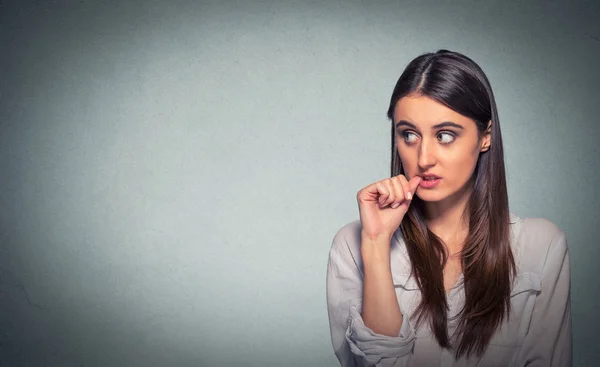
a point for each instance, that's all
(383, 204)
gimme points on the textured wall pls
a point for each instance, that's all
(172, 173)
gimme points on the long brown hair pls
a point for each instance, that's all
(488, 264)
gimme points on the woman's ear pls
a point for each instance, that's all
(486, 140)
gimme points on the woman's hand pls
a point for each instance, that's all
(383, 204)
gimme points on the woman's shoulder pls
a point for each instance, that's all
(344, 254)
(533, 232)
(534, 239)
(351, 229)
(347, 237)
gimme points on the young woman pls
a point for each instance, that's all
(437, 271)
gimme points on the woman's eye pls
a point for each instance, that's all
(409, 137)
(445, 138)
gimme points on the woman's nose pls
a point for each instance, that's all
(426, 154)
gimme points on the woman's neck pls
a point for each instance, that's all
(448, 219)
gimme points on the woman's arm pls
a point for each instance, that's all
(353, 342)
(549, 340)
(380, 310)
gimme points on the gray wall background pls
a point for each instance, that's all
(173, 173)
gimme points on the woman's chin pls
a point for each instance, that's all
(430, 196)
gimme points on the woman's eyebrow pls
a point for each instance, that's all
(448, 124)
(438, 126)
(405, 123)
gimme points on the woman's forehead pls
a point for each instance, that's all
(425, 112)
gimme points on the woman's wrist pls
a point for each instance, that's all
(375, 249)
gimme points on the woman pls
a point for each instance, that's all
(437, 272)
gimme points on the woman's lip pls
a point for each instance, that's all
(429, 184)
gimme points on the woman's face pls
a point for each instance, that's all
(434, 140)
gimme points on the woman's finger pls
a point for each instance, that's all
(399, 189)
(382, 191)
(391, 195)
(406, 187)
(414, 184)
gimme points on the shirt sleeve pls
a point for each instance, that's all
(354, 344)
(549, 340)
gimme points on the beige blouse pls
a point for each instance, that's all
(538, 332)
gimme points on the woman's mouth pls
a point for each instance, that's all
(429, 181)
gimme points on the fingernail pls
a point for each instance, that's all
(408, 195)
(395, 205)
